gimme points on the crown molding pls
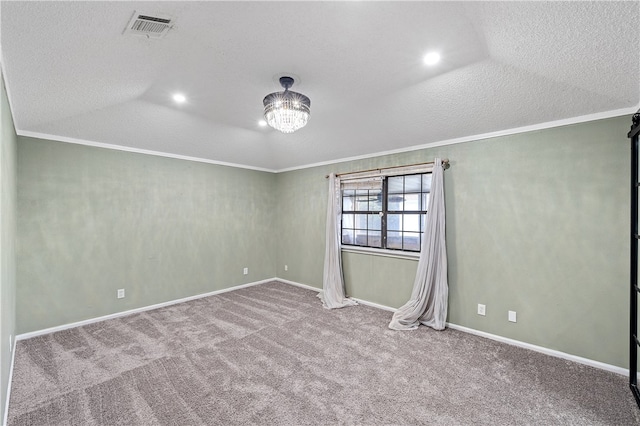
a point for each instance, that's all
(66, 139)
(479, 137)
(464, 139)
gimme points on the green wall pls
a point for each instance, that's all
(94, 220)
(7, 241)
(536, 223)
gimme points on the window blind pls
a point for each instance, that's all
(390, 171)
(371, 183)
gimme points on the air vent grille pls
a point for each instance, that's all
(149, 26)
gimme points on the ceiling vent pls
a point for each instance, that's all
(148, 25)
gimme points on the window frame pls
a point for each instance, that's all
(384, 249)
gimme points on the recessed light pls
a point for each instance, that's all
(431, 58)
(179, 98)
(262, 123)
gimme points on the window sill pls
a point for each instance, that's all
(381, 252)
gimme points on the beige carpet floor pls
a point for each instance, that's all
(270, 354)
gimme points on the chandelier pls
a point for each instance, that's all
(286, 111)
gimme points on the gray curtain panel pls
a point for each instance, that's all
(429, 298)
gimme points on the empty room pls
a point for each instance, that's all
(341, 212)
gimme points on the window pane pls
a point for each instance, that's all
(425, 201)
(426, 182)
(395, 202)
(375, 239)
(361, 221)
(347, 221)
(347, 236)
(412, 183)
(374, 222)
(362, 200)
(348, 192)
(395, 184)
(412, 202)
(394, 222)
(411, 223)
(375, 200)
(347, 203)
(394, 240)
(361, 237)
(411, 241)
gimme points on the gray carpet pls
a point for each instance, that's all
(270, 354)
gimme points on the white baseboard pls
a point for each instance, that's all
(541, 349)
(536, 348)
(134, 311)
(374, 305)
(8, 398)
(308, 287)
(360, 301)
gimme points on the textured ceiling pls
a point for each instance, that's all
(72, 74)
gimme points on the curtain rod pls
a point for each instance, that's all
(445, 165)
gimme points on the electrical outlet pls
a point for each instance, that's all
(512, 316)
(120, 293)
(245, 271)
(286, 267)
(482, 309)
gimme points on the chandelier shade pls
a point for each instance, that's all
(286, 111)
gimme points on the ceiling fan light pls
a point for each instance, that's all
(286, 111)
(431, 58)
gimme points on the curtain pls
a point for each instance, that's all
(428, 302)
(332, 294)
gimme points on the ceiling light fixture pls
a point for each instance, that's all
(432, 58)
(179, 98)
(286, 111)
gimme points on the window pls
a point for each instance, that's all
(387, 213)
